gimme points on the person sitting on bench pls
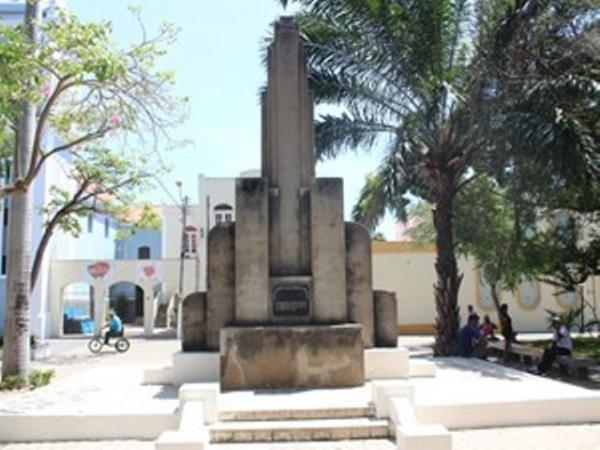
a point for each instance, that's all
(561, 345)
(471, 343)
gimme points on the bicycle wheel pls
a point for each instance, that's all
(95, 345)
(122, 345)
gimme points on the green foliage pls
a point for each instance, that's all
(378, 237)
(106, 183)
(13, 382)
(16, 69)
(89, 90)
(39, 378)
(423, 231)
(112, 109)
(538, 100)
(569, 318)
(36, 379)
(149, 219)
(487, 229)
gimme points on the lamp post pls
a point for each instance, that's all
(183, 203)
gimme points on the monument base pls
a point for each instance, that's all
(292, 357)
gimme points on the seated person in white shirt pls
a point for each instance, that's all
(561, 345)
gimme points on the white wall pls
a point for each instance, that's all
(409, 272)
(211, 192)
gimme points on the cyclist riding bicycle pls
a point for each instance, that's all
(115, 327)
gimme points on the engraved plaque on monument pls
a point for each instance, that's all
(290, 299)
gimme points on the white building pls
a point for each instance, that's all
(98, 231)
(215, 204)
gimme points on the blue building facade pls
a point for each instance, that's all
(143, 244)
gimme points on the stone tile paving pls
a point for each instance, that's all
(140, 445)
(101, 445)
(568, 437)
(83, 379)
(571, 437)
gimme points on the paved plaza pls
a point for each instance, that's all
(109, 382)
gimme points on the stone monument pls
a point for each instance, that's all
(289, 300)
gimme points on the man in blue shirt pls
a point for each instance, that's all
(115, 327)
(470, 342)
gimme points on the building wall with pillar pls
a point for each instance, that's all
(102, 274)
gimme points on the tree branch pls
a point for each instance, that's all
(49, 231)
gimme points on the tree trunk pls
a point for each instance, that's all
(41, 250)
(17, 315)
(448, 278)
(496, 300)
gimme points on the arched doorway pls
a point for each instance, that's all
(127, 300)
(78, 308)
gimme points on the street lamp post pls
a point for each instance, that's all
(183, 206)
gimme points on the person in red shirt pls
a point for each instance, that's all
(488, 328)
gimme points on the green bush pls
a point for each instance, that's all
(36, 379)
(39, 378)
(12, 382)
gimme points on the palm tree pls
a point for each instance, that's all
(15, 359)
(399, 70)
(455, 88)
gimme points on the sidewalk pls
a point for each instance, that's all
(576, 437)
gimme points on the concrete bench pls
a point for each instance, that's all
(579, 366)
(530, 355)
(517, 352)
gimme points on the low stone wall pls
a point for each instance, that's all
(291, 357)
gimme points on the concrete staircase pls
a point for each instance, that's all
(319, 424)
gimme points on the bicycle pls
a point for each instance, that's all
(121, 344)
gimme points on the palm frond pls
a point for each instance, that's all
(335, 134)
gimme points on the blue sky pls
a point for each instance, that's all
(217, 63)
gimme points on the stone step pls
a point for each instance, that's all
(337, 412)
(299, 430)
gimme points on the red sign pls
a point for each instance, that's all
(149, 271)
(98, 269)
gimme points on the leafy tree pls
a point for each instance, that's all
(85, 89)
(486, 228)
(422, 231)
(511, 244)
(538, 107)
(538, 96)
(148, 220)
(21, 111)
(105, 183)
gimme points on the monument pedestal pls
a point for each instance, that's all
(314, 356)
